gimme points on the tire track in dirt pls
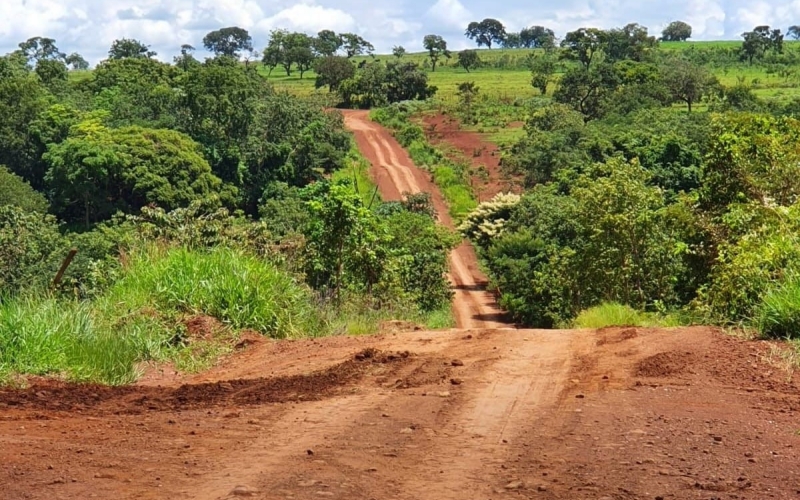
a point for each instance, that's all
(394, 172)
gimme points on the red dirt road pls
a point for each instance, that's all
(396, 174)
(614, 414)
(518, 414)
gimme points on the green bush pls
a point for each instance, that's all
(15, 191)
(31, 249)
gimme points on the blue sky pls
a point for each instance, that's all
(89, 26)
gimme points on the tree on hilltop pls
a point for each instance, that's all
(231, 41)
(486, 32)
(676, 31)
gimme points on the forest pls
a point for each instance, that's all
(655, 178)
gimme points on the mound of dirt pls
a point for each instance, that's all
(664, 364)
(59, 396)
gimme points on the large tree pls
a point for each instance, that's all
(536, 37)
(231, 41)
(76, 61)
(676, 31)
(583, 45)
(759, 41)
(686, 81)
(98, 170)
(38, 49)
(130, 48)
(486, 32)
(629, 42)
(354, 45)
(327, 43)
(332, 71)
(794, 32)
(436, 47)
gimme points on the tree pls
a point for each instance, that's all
(486, 32)
(327, 43)
(676, 31)
(686, 81)
(297, 50)
(630, 42)
(537, 37)
(98, 170)
(52, 72)
(467, 92)
(38, 49)
(273, 53)
(332, 71)
(398, 51)
(794, 32)
(231, 41)
(543, 69)
(436, 47)
(186, 58)
(586, 89)
(759, 41)
(76, 61)
(130, 48)
(583, 45)
(354, 45)
(469, 59)
(512, 41)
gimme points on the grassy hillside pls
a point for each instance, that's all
(503, 77)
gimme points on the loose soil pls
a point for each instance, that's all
(445, 130)
(481, 413)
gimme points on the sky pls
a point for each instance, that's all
(90, 26)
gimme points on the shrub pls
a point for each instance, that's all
(15, 191)
(31, 249)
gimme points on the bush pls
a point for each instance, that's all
(31, 249)
(15, 191)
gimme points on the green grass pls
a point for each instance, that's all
(141, 316)
(357, 170)
(613, 314)
(778, 314)
(64, 339)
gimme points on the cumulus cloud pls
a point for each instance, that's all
(89, 26)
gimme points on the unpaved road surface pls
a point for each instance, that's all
(484, 413)
(396, 174)
(491, 414)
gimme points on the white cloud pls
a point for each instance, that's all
(450, 13)
(89, 26)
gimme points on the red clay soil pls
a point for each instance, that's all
(519, 414)
(446, 130)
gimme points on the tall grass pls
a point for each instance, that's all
(613, 314)
(242, 291)
(54, 337)
(778, 314)
(140, 317)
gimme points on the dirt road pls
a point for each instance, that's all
(517, 414)
(395, 174)
(614, 414)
